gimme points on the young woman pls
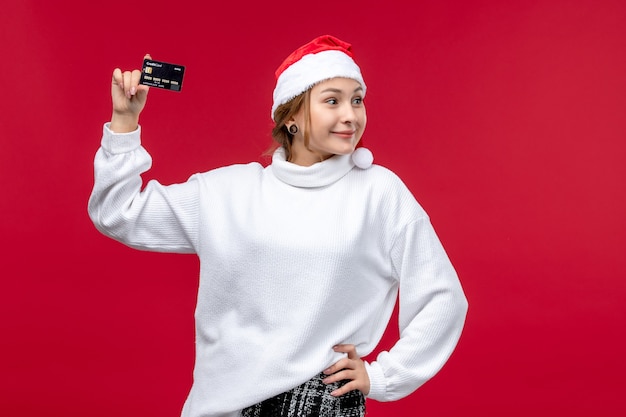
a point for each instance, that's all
(301, 261)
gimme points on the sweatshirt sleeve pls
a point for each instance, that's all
(432, 310)
(157, 218)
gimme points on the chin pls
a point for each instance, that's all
(345, 150)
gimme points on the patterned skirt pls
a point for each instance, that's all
(311, 399)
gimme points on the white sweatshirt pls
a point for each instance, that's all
(293, 260)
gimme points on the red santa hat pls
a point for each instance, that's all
(323, 58)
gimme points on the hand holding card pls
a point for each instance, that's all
(128, 99)
(162, 75)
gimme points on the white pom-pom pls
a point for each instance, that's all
(362, 157)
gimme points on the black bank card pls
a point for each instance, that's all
(162, 75)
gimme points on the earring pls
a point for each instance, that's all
(293, 129)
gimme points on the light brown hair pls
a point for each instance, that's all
(283, 113)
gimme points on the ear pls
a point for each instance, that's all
(290, 121)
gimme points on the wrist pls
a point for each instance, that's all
(123, 123)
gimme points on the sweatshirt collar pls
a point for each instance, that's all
(319, 174)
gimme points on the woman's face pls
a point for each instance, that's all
(338, 119)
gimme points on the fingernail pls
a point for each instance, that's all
(133, 90)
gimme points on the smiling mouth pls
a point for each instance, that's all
(345, 133)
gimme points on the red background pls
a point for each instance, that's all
(506, 120)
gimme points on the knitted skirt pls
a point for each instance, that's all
(311, 399)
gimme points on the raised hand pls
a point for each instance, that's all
(129, 99)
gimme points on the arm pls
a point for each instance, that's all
(432, 314)
(431, 317)
(157, 218)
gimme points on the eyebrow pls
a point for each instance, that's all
(337, 90)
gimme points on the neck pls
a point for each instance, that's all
(303, 156)
(306, 159)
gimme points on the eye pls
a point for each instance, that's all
(331, 101)
(357, 101)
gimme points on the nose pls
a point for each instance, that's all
(349, 114)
